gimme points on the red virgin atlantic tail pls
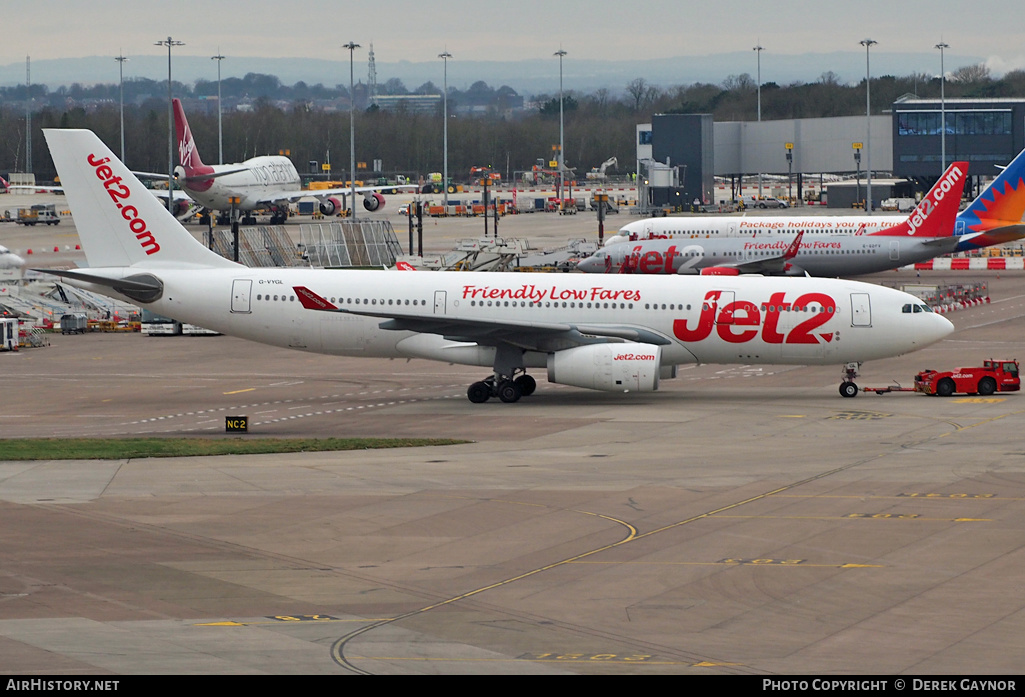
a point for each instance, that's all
(188, 155)
(937, 212)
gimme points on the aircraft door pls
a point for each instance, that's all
(439, 302)
(861, 310)
(894, 250)
(241, 293)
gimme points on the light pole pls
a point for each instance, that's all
(562, 158)
(444, 113)
(169, 42)
(943, 110)
(220, 133)
(868, 43)
(120, 58)
(758, 52)
(352, 46)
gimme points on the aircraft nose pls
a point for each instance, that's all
(934, 328)
(590, 265)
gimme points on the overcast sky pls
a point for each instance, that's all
(419, 30)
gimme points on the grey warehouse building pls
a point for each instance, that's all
(906, 142)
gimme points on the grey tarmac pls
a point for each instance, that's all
(742, 520)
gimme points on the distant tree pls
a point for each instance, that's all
(739, 83)
(971, 74)
(638, 91)
(395, 86)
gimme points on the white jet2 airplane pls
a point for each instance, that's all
(613, 333)
(926, 233)
(265, 182)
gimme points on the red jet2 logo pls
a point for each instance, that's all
(743, 313)
(119, 192)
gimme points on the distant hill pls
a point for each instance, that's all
(528, 77)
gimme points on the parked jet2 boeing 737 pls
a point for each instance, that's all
(925, 234)
(996, 217)
(614, 333)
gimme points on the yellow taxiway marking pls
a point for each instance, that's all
(767, 563)
(251, 389)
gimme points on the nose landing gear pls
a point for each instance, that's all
(848, 388)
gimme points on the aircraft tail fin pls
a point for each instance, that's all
(936, 214)
(1002, 202)
(188, 153)
(119, 221)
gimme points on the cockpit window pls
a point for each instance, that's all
(911, 307)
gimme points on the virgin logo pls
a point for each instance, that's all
(742, 320)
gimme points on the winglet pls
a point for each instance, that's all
(312, 301)
(404, 266)
(937, 212)
(794, 247)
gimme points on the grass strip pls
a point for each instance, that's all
(125, 448)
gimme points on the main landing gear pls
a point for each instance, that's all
(848, 388)
(507, 390)
(509, 382)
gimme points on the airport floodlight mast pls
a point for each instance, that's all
(169, 42)
(220, 133)
(758, 52)
(943, 109)
(562, 140)
(868, 43)
(28, 113)
(120, 58)
(444, 115)
(352, 46)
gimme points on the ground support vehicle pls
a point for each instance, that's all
(45, 214)
(74, 323)
(995, 375)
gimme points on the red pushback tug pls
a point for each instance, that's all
(995, 375)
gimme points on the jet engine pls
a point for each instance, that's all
(330, 206)
(181, 208)
(373, 201)
(611, 367)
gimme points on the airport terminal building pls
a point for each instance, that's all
(905, 143)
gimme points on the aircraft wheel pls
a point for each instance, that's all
(945, 387)
(527, 385)
(987, 386)
(478, 393)
(848, 389)
(509, 392)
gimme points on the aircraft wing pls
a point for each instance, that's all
(771, 265)
(538, 336)
(293, 196)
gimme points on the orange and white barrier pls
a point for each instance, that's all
(971, 264)
(959, 305)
